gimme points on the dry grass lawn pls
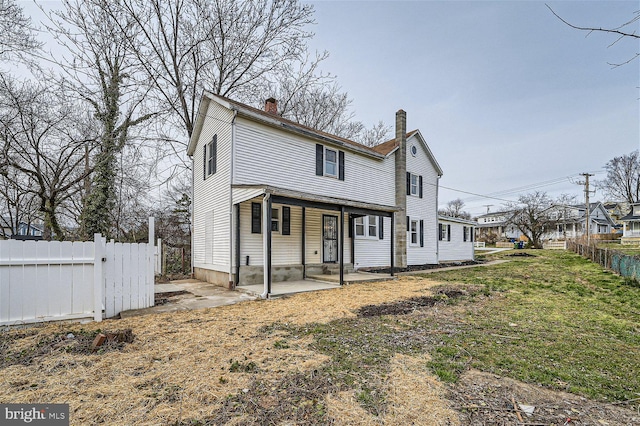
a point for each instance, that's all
(187, 365)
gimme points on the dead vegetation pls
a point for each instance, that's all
(355, 355)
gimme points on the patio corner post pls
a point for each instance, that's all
(266, 245)
(304, 248)
(392, 268)
(97, 277)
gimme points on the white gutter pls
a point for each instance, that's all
(232, 241)
(266, 221)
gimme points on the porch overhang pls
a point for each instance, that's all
(271, 194)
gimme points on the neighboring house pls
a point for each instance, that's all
(617, 210)
(496, 223)
(269, 191)
(631, 226)
(455, 239)
(23, 231)
(571, 220)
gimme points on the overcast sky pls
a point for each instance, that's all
(506, 95)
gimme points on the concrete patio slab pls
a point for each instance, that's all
(166, 288)
(288, 287)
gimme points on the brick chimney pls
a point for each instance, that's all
(271, 106)
(401, 190)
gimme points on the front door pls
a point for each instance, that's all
(329, 239)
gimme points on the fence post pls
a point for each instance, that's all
(150, 262)
(97, 277)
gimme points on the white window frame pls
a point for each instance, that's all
(326, 160)
(414, 229)
(359, 223)
(365, 225)
(444, 235)
(372, 226)
(414, 184)
(275, 218)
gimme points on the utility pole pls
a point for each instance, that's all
(586, 198)
(487, 206)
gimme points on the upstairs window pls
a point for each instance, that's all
(414, 184)
(329, 162)
(211, 157)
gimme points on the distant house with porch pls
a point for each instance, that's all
(496, 225)
(631, 226)
(571, 221)
(271, 195)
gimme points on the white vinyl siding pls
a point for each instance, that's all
(268, 156)
(287, 249)
(372, 251)
(212, 232)
(425, 208)
(456, 249)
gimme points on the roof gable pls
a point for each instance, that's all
(389, 147)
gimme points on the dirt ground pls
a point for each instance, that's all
(227, 366)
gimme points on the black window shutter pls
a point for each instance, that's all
(214, 154)
(420, 182)
(351, 221)
(408, 183)
(341, 165)
(319, 159)
(256, 218)
(380, 227)
(408, 224)
(421, 233)
(448, 232)
(440, 231)
(464, 233)
(286, 220)
(204, 161)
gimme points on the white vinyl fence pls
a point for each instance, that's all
(52, 280)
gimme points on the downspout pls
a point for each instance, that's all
(234, 238)
(437, 222)
(266, 245)
(193, 194)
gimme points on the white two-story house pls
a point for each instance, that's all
(277, 201)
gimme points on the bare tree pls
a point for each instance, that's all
(16, 35)
(43, 139)
(530, 216)
(18, 203)
(623, 178)
(103, 72)
(455, 209)
(621, 32)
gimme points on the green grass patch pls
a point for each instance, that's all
(561, 321)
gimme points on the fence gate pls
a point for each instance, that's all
(52, 280)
